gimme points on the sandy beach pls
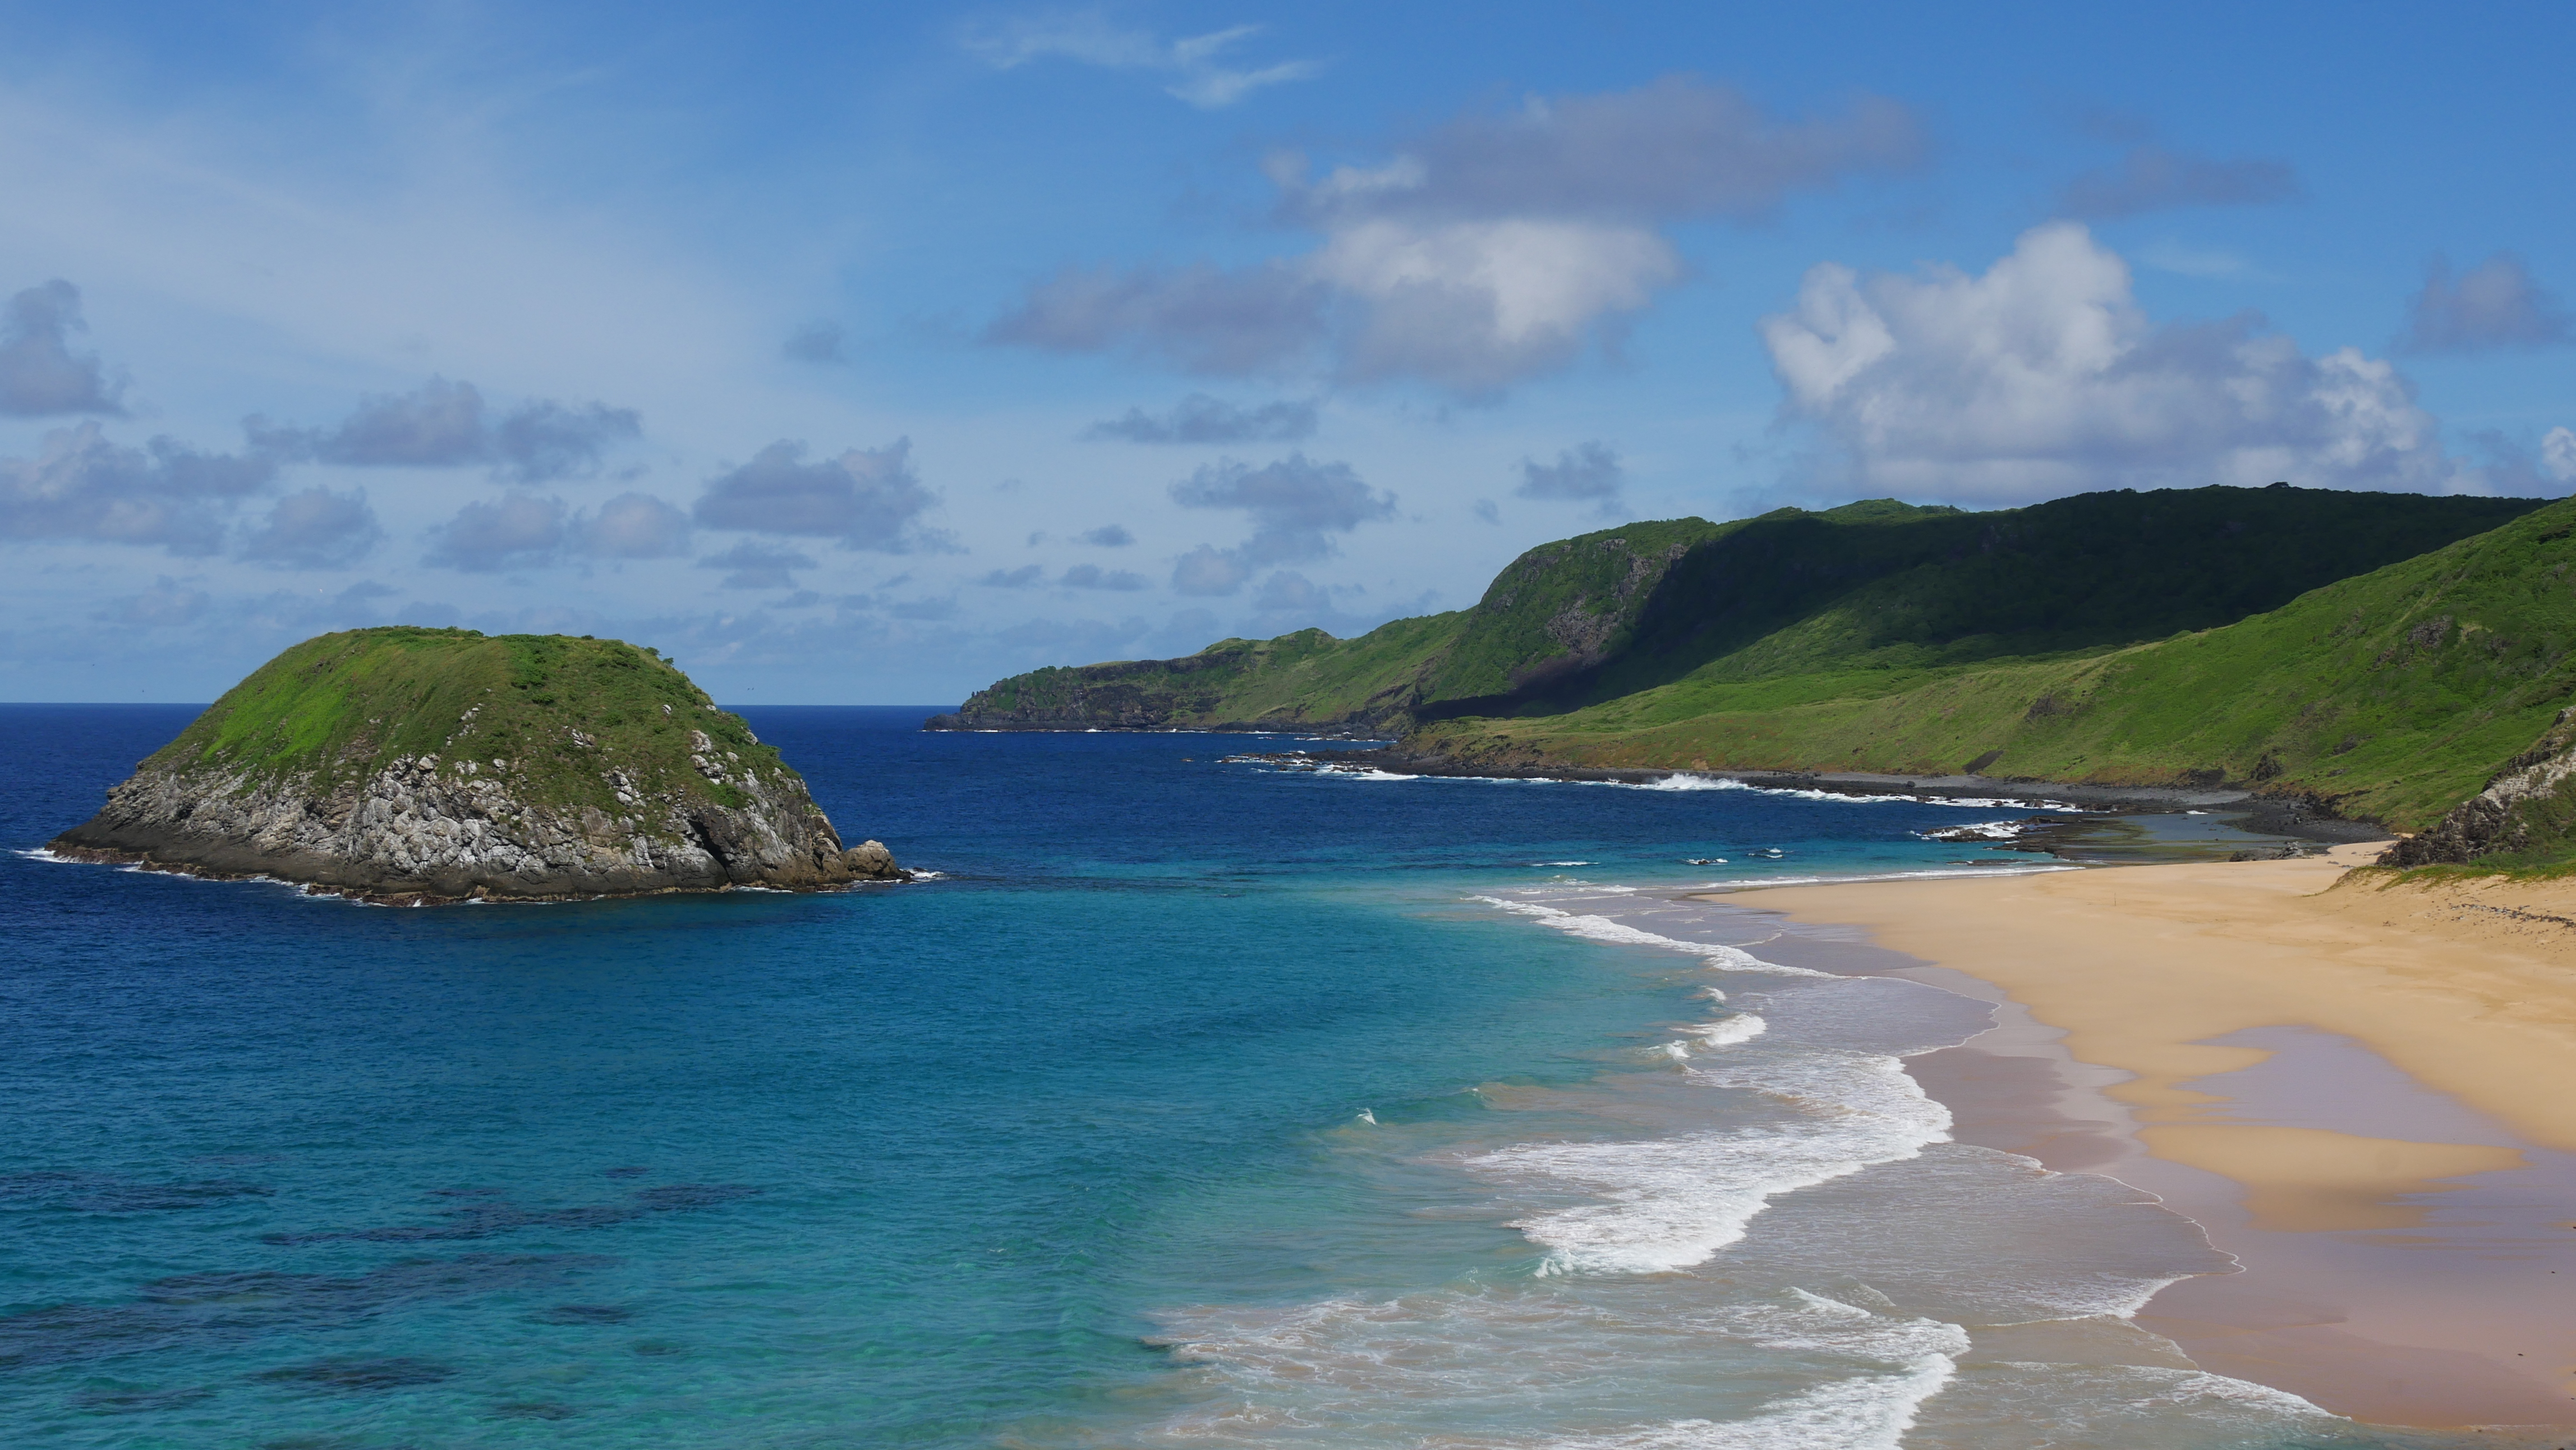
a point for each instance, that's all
(2364, 1089)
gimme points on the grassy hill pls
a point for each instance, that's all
(2384, 656)
(2392, 696)
(339, 708)
(1876, 594)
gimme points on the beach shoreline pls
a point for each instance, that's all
(2360, 1088)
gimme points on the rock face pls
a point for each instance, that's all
(443, 765)
(2530, 803)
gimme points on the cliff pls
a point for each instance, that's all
(442, 764)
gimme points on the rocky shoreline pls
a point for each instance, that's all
(428, 830)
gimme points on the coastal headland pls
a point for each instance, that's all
(2361, 1082)
(412, 765)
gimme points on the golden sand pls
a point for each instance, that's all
(2468, 987)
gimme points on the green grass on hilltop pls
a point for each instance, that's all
(2392, 695)
(339, 708)
(1871, 598)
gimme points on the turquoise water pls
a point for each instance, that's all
(1191, 1104)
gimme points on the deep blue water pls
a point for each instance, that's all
(941, 1164)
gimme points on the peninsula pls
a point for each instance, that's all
(420, 765)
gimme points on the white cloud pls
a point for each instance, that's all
(868, 498)
(83, 486)
(1478, 304)
(1491, 249)
(1195, 69)
(2043, 377)
(2558, 455)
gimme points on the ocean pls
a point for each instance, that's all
(1192, 1103)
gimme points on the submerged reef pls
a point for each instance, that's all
(420, 765)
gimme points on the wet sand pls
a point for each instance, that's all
(2366, 1092)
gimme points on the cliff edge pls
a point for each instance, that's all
(442, 764)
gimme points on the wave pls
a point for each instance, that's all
(1727, 1031)
(1425, 1368)
(1661, 1205)
(1603, 929)
(1999, 868)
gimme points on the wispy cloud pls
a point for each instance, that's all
(1195, 69)
(1488, 250)
(2156, 178)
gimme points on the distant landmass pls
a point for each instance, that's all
(444, 764)
(2390, 658)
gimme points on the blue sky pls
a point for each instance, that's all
(867, 354)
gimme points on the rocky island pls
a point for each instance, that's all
(423, 765)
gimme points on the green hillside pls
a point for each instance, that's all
(1884, 589)
(2385, 656)
(2392, 696)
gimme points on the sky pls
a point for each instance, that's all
(866, 354)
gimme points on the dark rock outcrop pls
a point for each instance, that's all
(2530, 803)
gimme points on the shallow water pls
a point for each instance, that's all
(1194, 1104)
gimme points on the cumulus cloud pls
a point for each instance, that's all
(2558, 455)
(1589, 473)
(82, 486)
(1026, 576)
(757, 566)
(865, 498)
(40, 376)
(634, 526)
(1199, 418)
(1108, 536)
(2152, 178)
(1092, 576)
(816, 342)
(1195, 69)
(444, 424)
(2495, 304)
(2042, 377)
(315, 529)
(520, 531)
(1296, 505)
(1483, 252)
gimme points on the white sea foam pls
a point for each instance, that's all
(1747, 883)
(1989, 830)
(1727, 1031)
(1603, 929)
(1865, 1412)
(1383, 1372)
(1665, 1204)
